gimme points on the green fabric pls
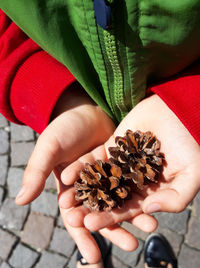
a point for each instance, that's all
(151, 40)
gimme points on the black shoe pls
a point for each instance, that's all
(158, 252)
(103, 246)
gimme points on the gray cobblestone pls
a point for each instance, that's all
(193, 235)
(50, 183)
(3, 121)
(176, 222)
(189, 258)
(128, 258)
(4, 142)
(14, 180)
(21, 133)
(38, 230)
(135, 231)
(51, 260)
(141, 261)
(72, 262)
(66, 247)
(20, 153)
(1, 195)
(12, 216)
(3, 169)
(116, 263)
(60, 222)
(46, 203)
(5, 265)
(23, 257)
(6, 241)
(196, 204)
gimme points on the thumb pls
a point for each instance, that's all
(175, 198)
(41, 163)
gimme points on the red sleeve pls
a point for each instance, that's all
(31, 80)
(182, 95)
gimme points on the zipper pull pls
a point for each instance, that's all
(103, 14)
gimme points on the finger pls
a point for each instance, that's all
(43, 158)
(176, 198)
(75, 216)
(98, 220)
(66, 198)
(145, 222)
(84, 241)
(120, 237)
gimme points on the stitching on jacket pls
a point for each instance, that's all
(91, 42)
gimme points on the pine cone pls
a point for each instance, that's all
(101, 186)
(138, 155)
(135, 160)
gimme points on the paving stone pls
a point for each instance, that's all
(176, 222)
(5, 265)
(132, 229)
(189, 257)
(38, 230)
(3, 169)
(6, 241)
(72, 262)
(141, 262)
(196, 204)
(128, 258)
(173, 238)
(23, 257)
(1, 195)
(60, 222)
(51, 260)
(12, 216)
(21, 133)
(4, 142)
(116, 263)
(14, 180)
(3, 121)
(50, 183)
(46, 203)
(20, 153)
(62, 242)
(193, 235)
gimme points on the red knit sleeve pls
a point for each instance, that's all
(182, 95)
(31, 80)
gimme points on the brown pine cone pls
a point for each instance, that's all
(138, 155)
(101, 186)
(135, 160)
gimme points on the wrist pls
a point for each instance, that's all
(72, 98)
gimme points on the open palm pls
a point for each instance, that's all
(180, 181)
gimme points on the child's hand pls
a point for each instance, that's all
(181, 180)
(79, 126)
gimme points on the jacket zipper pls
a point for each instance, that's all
(112, 53)
(103, 18)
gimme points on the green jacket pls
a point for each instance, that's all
(149, 40)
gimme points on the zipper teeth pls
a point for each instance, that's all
(111, 49)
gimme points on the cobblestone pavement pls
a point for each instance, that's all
(34, 236)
